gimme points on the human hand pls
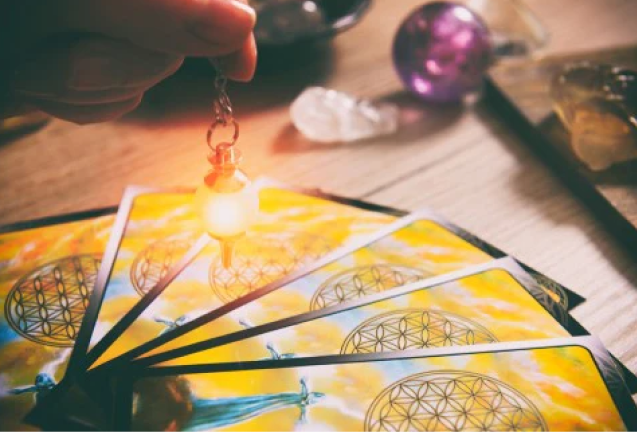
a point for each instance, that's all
(92, 60)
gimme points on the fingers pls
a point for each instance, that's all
(240, 66)
(89, 79)
(91, 70)
(84, 114)
(127, 47)
(184, 27)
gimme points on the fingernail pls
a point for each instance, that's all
(246, 8)
(240, 66)
(96, 73)
(231, 24)
(253, 51)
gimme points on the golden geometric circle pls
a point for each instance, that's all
(452, 400)
(154, 261)
(260, 259)
(361, 281)
(407, 329)
(48, 304)
(553, 290)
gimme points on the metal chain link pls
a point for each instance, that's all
(222, 108)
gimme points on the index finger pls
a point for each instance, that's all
(184, 27)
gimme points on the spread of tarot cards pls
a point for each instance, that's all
(334, 314)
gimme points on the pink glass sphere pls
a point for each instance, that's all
(441, 52)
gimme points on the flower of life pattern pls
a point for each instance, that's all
(552, 296)
(407, 329)
(48, 304)
(263, 258)
(361, 281)
(153, 263)
(553, 290)
(452, 401)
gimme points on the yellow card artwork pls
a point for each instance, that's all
(486, 306)
(167, 277)
(293, 229)
(411, 249)
(558, 386)
(46, 277)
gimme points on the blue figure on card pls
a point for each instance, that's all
(43, 384)
(274, 353)
(170, 324)
(216, 413)
(170, 403)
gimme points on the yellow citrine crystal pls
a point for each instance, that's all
(598, 105)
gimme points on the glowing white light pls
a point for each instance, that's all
(463, 14)
(226, 214)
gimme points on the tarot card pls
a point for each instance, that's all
(552, 384)
(411, 248)
(297, 229)
(47, 273)
(487, 303)
(155, 229)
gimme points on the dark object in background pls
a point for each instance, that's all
(286, 22)
(520, 94)
(597, 104)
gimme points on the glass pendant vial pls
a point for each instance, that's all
(226, 202)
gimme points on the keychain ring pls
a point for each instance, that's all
(213, 127)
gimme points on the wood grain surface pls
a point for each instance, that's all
(464, 162)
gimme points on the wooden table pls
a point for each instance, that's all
(466, 164)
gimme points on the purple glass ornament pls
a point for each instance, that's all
(441, 52)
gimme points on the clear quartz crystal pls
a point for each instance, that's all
(330, 116)
(598, 105)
